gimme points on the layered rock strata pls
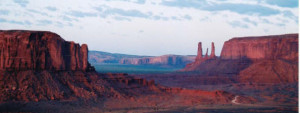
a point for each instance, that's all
(265, 47)
(265, 59)
(40, 50)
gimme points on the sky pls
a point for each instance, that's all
(156, 27)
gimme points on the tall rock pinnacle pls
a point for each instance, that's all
(199, 54)
(212, 54)
(206, 54)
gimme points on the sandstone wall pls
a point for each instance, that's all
(40, 50)
(267, 47)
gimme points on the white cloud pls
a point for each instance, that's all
(146, 28)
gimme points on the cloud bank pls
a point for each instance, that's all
(152, 27)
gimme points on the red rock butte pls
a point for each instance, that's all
(264, 47)
(261, 59)
(40, 50)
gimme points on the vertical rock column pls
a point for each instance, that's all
(84, 56)
(199, 54)
(212, 54)
(206, 54)
(73, 63)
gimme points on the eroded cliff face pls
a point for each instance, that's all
(40, 50)
(266, 47)
(265, 59)
(274, 59)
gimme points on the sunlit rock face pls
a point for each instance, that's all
(200, 59)
(264, 59)
(40, 50)
(265, 47)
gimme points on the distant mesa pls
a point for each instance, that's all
(165, 60)
(265, 59)
(96, 57)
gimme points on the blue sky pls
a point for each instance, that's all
(156, 27)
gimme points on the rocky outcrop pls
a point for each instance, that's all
(213, 54)
(265, 47)
(199, 54)
(265, 59)
(45, 85)
(206, 54)
(40, 50)
(274, 59)
(200, 59)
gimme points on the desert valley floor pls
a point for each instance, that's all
(41, 72)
